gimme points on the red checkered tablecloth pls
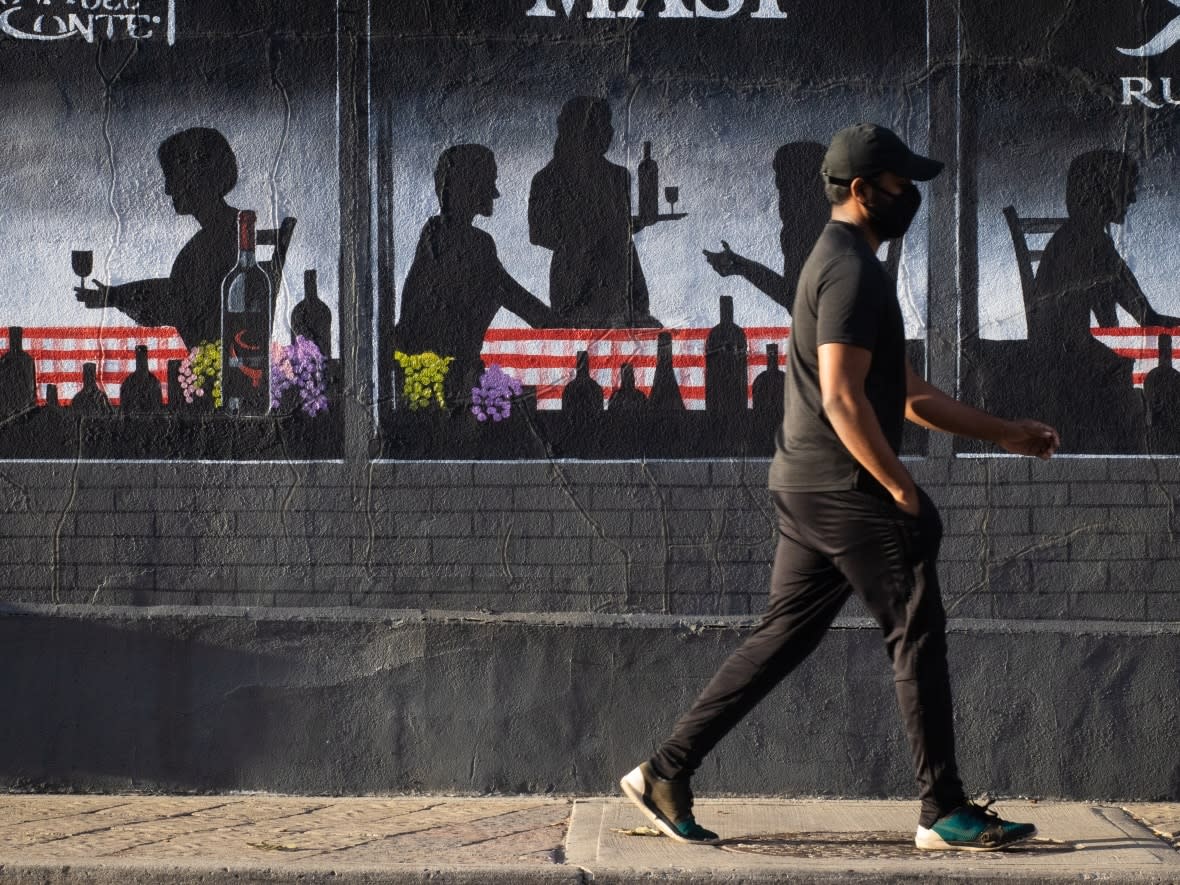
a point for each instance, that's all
(543, 358)
(58, 353)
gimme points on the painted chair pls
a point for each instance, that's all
(1028, 258)
(1006, 376)
(280, 240)
(1050, 390)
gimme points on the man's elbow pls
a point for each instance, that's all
(839, 404)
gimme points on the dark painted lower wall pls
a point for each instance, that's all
(360, 702)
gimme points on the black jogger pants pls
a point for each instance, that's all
(832, 544)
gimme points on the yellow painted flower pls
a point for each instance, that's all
(425, 373)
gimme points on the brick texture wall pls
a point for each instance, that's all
(1070, 539)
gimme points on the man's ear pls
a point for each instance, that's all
(860, 189)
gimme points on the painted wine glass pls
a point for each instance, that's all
(672, 194)
(82, 261)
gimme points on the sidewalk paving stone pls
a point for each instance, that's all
(1163, 818)
(869, 840)
(276, 833)
(520, 840)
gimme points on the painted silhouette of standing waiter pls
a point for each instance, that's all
(200, 169)
(580, 208)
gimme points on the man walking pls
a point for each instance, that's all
(850, 518)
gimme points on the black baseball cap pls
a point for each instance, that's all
(866, 149)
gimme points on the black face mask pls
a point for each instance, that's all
(892, 214)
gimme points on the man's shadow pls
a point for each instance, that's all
(878, 845)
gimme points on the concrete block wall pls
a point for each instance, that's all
(1069, 539)
(346, 701)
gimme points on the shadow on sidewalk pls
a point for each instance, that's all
(878, 845)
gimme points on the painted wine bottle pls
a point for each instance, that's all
(726, 378)
(649, 186)
(245, 329)
(18, 376)
(769, 386)
(582, 397)
(311, 318)
(665, 389)
(140, 391)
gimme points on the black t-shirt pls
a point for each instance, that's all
(844, 296)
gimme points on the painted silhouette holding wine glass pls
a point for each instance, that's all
(580, 209)
(804, 211)
(1081, 272)
(200, 169)
(456, 283)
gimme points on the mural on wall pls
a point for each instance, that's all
(170, 173)
(591, 216)
(1075, 307)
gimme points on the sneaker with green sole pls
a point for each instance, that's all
(667, 804)
(972, 827)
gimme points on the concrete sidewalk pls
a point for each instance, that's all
(272, 839)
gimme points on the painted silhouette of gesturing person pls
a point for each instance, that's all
(199, 170)
(580, 208)
(456, 283)
(804, 211)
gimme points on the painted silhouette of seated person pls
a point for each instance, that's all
(803, 209)
(580, 209)
(456, 283)
(1081, 272)
(200, 169)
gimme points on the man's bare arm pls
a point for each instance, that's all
(929, 407)
(842, 372)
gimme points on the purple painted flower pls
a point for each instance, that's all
(493, 397)
(301, 366)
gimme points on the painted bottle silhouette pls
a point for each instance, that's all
(311, 318)
(91, 399)
(56, 430)
(18, 376)
(769, 387)
(627, 418)
(245, 329)
(582, 397)
(175, 392)
(140, 392)
(627, 397)
(649, 186)
(51, 401)
(726, 376)
(665, 391)
(1161, 389)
